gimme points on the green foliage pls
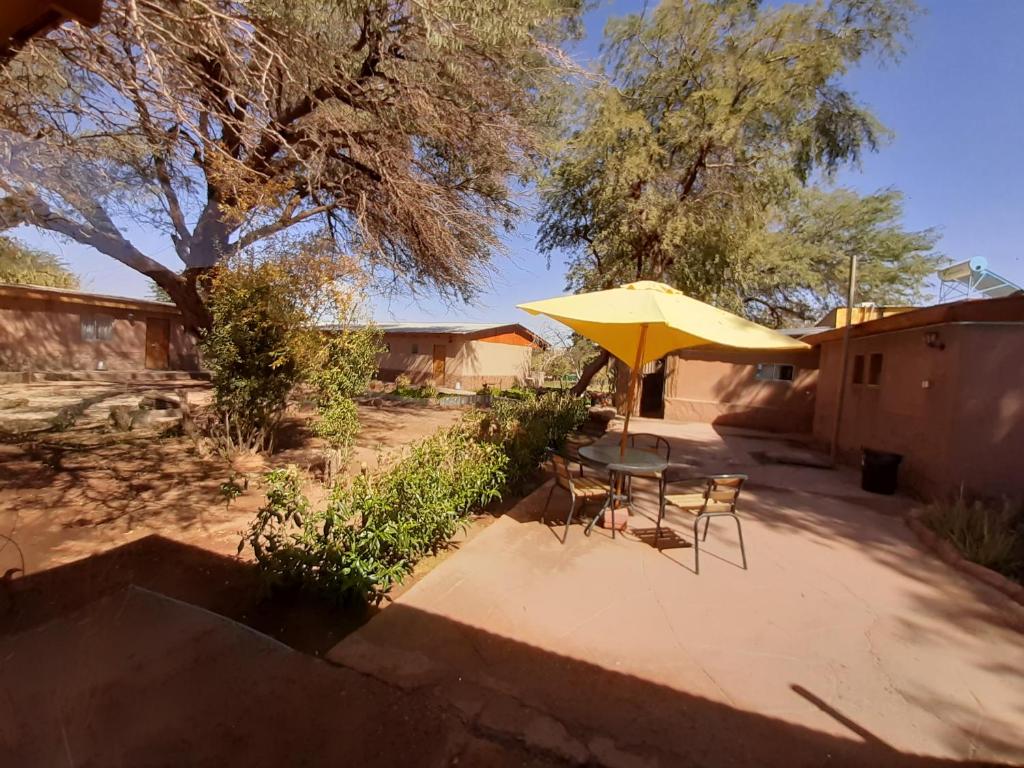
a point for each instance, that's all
(254, 350)
(405, 388)
(511, 393)
(21, 265)
(342, 369)
(373, 532)
(526, 429)
(156, 293)
(713, 113)
(337, 422)
(987, 533)
(798, 269)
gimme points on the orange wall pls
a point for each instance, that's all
(721, 388)
(956, 414)
(46, 336)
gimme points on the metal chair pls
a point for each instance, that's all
(718, 500)
(646, 441)
(579, 487)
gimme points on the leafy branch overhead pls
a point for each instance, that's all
(395, 127)
(712, 118)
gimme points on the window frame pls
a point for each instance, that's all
(874, 377)
(857, 374)
(93, 328)
(772, 372)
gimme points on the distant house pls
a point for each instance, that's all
(458, 355)
(53, 329)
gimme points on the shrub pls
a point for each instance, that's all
(990, 534)
(373, 532)
(525, 429)
(253, 350)
(405, 388)
(341, 370)
(512, 393)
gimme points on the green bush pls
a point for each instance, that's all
(525, 429)
(373, 532)
(405, 388)
(341, 370)
(990, 534)
(253, 350)
(512, 393)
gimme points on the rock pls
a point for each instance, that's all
(159, 402)
(161, 418)
(121, 417)
(6, 403)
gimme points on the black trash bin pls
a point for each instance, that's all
(879, 471)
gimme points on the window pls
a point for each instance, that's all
(875, 370)
(97, 327)
(858, 369)
(773, 372)
(415, 349)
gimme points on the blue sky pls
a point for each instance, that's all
(955, 103)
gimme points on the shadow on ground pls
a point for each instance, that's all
(223, 585)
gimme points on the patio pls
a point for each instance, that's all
(845, 642)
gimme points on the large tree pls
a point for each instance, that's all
(710, 115)
(21, 265)
(392, 126)
(797, 269)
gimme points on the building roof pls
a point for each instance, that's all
(1009, 309)
(457, 329)
(69, 296)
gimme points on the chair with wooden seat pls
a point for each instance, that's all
(579, 488)
(721, 492)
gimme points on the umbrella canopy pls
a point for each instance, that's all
(644, 321)
(655, 319)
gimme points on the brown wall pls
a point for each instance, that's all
(955, 413)
(469, 363)
(720, 388)
(45, 335)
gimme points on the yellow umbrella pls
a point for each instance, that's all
(644, 321)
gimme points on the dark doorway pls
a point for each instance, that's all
(652, 390)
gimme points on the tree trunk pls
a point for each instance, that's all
(590, 370)
(184, 292)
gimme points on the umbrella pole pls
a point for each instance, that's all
(634, 376)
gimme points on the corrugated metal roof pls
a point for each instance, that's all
(433, 327)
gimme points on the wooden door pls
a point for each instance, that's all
(440, 353)
(158, 343)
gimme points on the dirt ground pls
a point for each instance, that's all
(90, 510)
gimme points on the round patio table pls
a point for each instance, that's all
(633, 461)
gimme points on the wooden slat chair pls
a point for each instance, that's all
(717, 500)
(579, 487)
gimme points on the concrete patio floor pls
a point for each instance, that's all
(845, 643)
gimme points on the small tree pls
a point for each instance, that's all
(341, 371)
(253, 350)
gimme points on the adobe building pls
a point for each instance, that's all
(943, 386)
(458, 355)
(59, 330)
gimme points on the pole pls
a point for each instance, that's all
(851, 292)
(634, 374)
